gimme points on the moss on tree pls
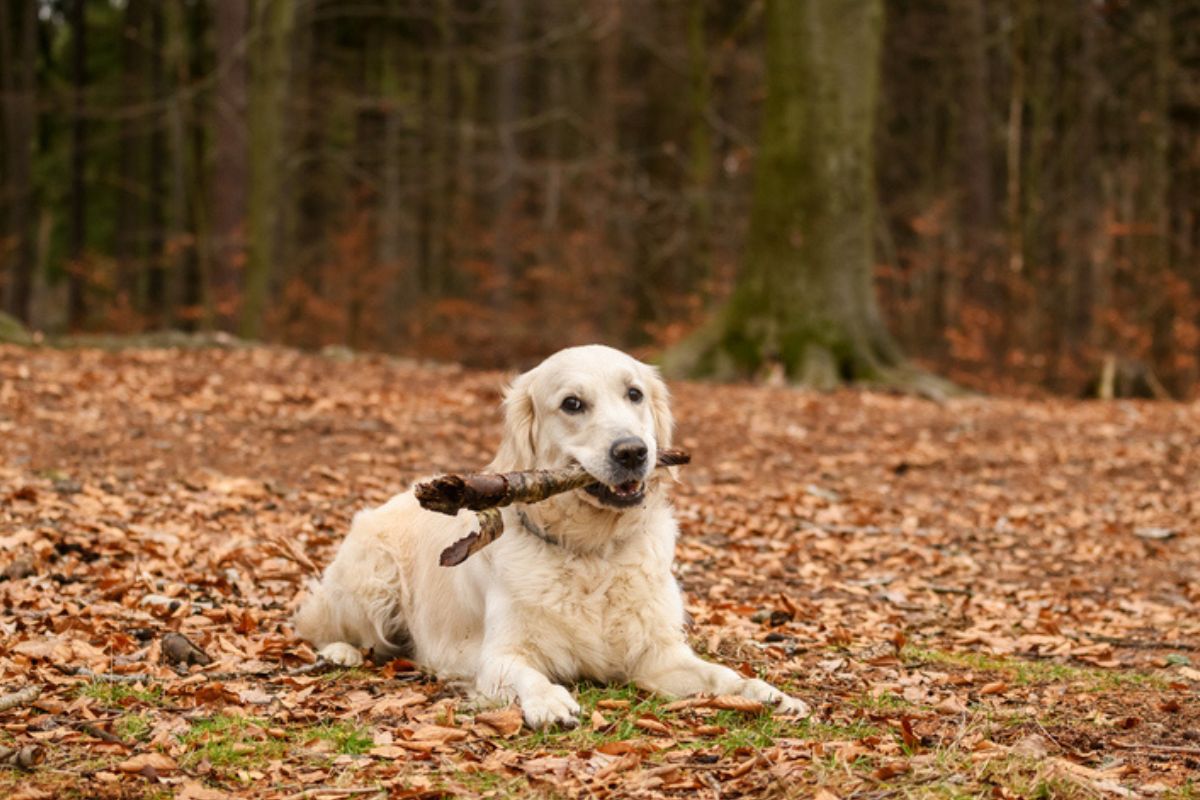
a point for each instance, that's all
(804, 302)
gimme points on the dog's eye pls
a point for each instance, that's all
(634, 394)
(571, 404)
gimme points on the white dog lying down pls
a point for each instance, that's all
(579, 586)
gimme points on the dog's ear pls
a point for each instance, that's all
(660, 408)
(517, 451)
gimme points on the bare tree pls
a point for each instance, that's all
(18, 52)
(230, 167)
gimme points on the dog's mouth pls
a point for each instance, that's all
(622, 495)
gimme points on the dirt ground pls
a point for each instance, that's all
(983, 598)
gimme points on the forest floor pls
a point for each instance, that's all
(984, 598)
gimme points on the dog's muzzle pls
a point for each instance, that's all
(626, 484)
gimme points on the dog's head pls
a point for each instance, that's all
(594, 406)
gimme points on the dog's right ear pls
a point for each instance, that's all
(517, 451)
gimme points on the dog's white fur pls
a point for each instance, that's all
(525, 614)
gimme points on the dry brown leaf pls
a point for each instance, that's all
(890, 770)
(438, 733)
(729, 702)
(159, 762)
(194, 790)
(620, 748)
(612, 705)
(652, 725)
(388, 751)
(505, 722)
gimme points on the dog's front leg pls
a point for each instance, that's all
(506, 672)
(679, 672)
(544, 703)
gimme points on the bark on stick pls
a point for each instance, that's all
(487, 492)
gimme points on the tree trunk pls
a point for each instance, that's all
(269, 82)
(1016, 110)
(18, 52)
(700, 157)
(437, 130)
(230, 167)
(130, 202)
(178, 258)
(507, 184)
(976, 158)
(76, 284)
(804, 303)
(156, 223)
(400, 262)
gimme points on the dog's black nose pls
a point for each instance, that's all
(629, 452)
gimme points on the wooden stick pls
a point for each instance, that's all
(491, 525)
(21, 698)
(477, 491)
(487, 492)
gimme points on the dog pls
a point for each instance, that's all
(578, 587)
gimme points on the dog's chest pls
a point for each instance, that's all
(594, 617)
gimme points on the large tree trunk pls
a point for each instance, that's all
(269, 82)
(508, 109)
(130, 202)
(178, 259)
(156, 274)
(805, 303)
(230, 168)
(18, 51)
(700, 146)
(76, 279)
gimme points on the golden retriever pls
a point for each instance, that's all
(579, 586)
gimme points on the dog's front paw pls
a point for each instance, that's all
(551, 707)
(782, 703)
(341, 653)
(792, 706)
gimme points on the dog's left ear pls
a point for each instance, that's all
(660, 408)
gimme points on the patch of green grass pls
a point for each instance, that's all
(757, 733)
(227, 741)
(1190, 790)
(1022, 672)
(495, 785)
(830, 731)
(346, 737)
(120, 695)
(133, 727)
(885, 702)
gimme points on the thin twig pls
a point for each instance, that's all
(1143, 644)
(1160, 748)
(112, 677)
(103, 735)
(335, 792)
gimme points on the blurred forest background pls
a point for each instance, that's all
(488, 180)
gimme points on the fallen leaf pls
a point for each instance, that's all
(438, 733)
(506, 722)
(652, 725)
(735, 703)
(158, 762)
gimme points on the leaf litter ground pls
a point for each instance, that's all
(990, 597)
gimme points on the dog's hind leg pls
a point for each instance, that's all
(322, 622)
(339, 622)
